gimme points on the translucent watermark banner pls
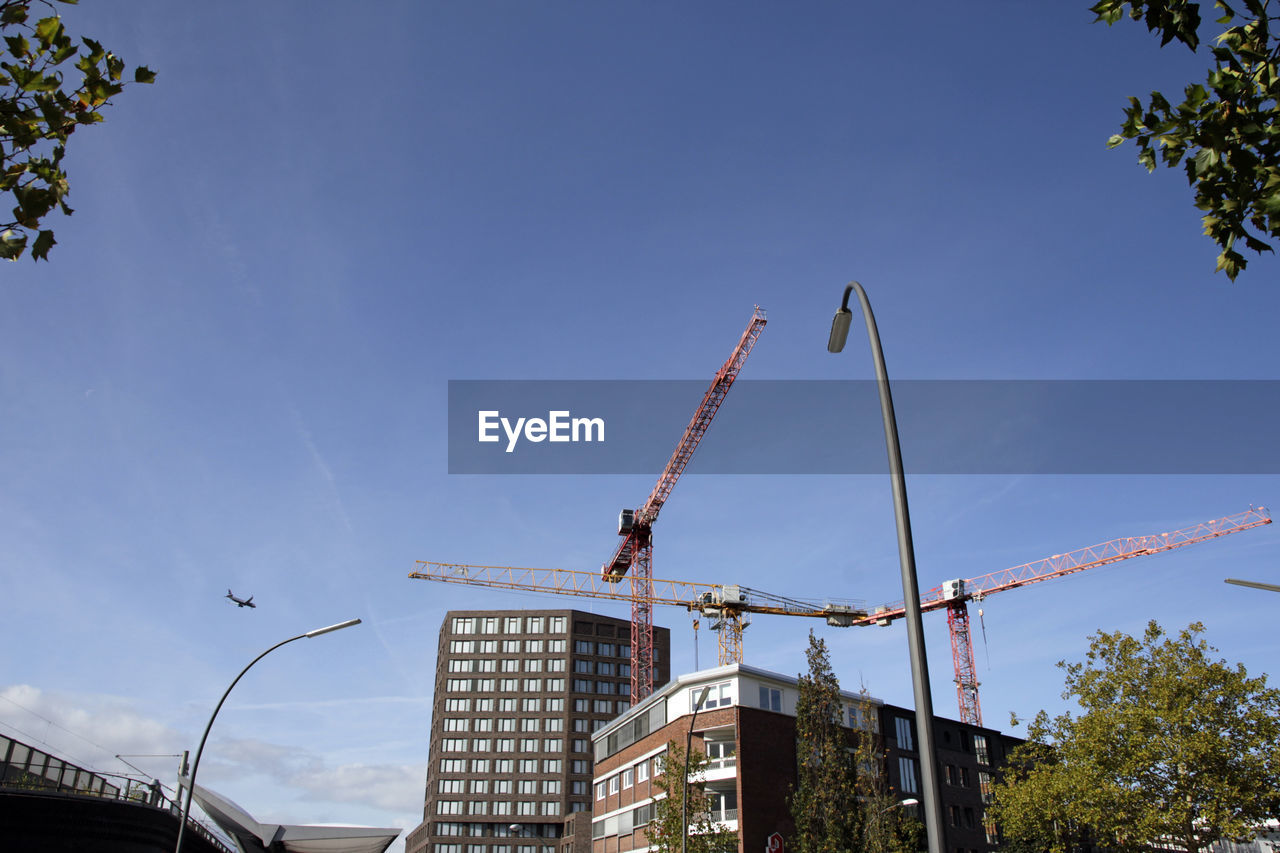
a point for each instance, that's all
(835, 427)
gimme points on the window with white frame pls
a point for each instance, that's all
(770, 698)
(462, 647)
(479, 765)
(510, 665)
(452, 744)
(506, 724)
(463, 625)
(504, 765)
(484, 685)
(557, 625)
(534, 647)
(457, 724)
(556, 646)
(529, 705)
(488, 647)
(718, 696)
(526, 807)
(530, 724)
(553, 724)
(484, 724)
(552, 765)
(453, 765)
(628, 778)
(613, 784)
(448, 828)
(536, 624)
(479, 786)
(489, 625)
(456, 705)
(721, 753)
(485, 704)
(642, 771)
(555, 704)
(526, 786)
(600, 790)
(508, 685)
(448, 806)
(528, 765)
(533, 685)
(555, 665)
(512, 625)
(552, 744)
(450, 786)
(502, 786)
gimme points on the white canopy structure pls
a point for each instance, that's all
(253, 837)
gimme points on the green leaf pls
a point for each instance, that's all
(47, 29)
(13, 15)
(12, 244)
(143, 74)
(40, 249)
(18, 46)
(1114, 140)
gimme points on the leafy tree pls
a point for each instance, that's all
(1172, 748)
(824, 803)
(883, 825)
(1224, 131)
(40, 109)
(666, 830)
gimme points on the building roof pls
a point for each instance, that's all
(253, 837)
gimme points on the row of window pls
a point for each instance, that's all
(499, 786)
(498, 830)
(630, 776)
(506, 704)
(505, 685)
(500, 807)
(591, 667)
(502, 744)
(508, 765)
(510, 625)
(495, 848)
(505, 724)
(489, 647)
(622, 823)
(608, 688)
(509, 665)
(587, 647)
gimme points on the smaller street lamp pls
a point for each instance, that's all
(191, 782)
(688, 745)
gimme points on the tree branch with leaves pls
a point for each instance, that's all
(40, 110)
(1224, 131)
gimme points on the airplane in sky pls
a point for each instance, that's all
(241, 602)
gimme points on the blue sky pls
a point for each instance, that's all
(233, 371)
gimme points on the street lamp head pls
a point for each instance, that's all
(910, 801)
(317, 632)
(839, 330)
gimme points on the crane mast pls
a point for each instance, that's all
(634, 553)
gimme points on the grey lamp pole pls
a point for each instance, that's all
(688, 745)
(907, 558)
(1270, 587)
(195, 766)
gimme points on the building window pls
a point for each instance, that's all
(551, 786)
(581, 685)
(477, 807)
(613, 784)
(555, 665)
(484, 725)
(719, 696)
(526, 786)
(506, 724)
(557, 625)
(605, 649)
(489, 625)
(479, 786)
(526, 807)
(536, 624)
(583, 647)
(529, 744)
(980, 748)
(512, 625)
(480, 765)
(628, 778)
(552, 744)
(580, 767)
(448, 806)
(511, 647)
(555, 685)
(462, 647)
(533, 665)
(451, 744)
(480, 744)
(456, 724)
(533, 685)
(580, 743)
(448, 828)
(510, 665)
(457, 685)
(533, 647)
(486, 665)
(984, 785)
(502, 807)
(448, 848)
(555, 646)
(485, 704)
(642, 771)
(550, 808)
(530, 724)
(770, 698)
(555, 704)
(606, 687)
(504, 765)
(721, 753)
(902, 727)
(528, 765)
(488, 647)
(508, 685)
(462, 666)
(553, 724)
(599, 790)
(907, 776)
(529, 706)
(450, 786)
(464, 625)
(456, 705)
(484, 685)
(604, 706)
(453, 765)
(505, 744)
(603, 668)
(507, 706)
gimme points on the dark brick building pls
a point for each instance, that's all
(747, 729)
(518, 694)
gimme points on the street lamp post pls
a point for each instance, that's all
(1270, 587)
(907, 559)
(688, 745)
(195, 766)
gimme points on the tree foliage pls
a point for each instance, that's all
(883, 825)
(1171, 747)
(1224, 131)
(40, 109)
(823, 805)
(667, 829)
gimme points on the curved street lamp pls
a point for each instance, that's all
(906, 557)
(191, 783)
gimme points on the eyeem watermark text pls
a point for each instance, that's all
(559, 426)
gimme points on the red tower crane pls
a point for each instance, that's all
(954, 595)
(635, 552)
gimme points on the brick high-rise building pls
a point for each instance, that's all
(517, 695)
